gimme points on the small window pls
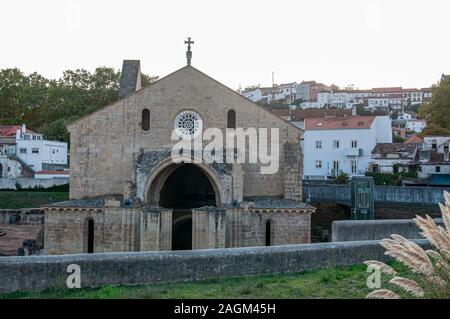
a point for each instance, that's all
(23, 151)
(354, 144)
(231, 119)
(353, 167)
(318, 164)
(438, 169)
(35, 150)
(335, 144)
(268, 233)
(318, 144)
(146, 119)
(90, 236)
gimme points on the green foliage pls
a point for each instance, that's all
(434, 130)
(340, 283)
(361, 110)
(49, 105)
(390, 179)
(29, 199)
(397, 138)
(436, 112)
(280, 104)
(342, 178)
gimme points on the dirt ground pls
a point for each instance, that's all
(15, 235)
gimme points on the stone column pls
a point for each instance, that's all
(165, 236)
(208, 229)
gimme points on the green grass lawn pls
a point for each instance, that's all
(29, 199)
(347, 282)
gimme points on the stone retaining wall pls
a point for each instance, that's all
(355, 230)
(43, 272)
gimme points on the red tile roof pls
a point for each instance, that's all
(414, 140)
(10, 130)
(339, 123)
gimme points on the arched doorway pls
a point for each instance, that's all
(187, 187)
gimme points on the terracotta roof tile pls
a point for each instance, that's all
(339, 123)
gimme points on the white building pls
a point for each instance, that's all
(286, 92)
(32, 150)
(390, 158)
(404, 116)
(333, 146)
(434, 156)
(340, 99)
(415, 125)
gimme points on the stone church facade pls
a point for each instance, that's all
(127, 194)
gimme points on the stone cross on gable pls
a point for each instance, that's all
(189, 52)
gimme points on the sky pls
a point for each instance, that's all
(367, 43)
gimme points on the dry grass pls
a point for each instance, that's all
(431, 268)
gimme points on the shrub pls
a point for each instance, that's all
(390, 179)
(431, 267)
(342, 178)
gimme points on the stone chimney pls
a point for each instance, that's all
(24, 128)
(130, 77)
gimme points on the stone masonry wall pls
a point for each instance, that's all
(44, 272)
(104, 144)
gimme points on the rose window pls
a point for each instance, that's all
(188, 124)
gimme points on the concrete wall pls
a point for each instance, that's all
(43, 272)
(383, 194)
(10, 183)
(357, 230)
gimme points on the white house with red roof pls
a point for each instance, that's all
(335, 145)
(30, 149)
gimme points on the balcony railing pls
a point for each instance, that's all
(353, 152)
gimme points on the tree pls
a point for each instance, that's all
(436, 112)
(49, 105)
(146, 80)
(397, 138)
(57, 130)
(434, 130)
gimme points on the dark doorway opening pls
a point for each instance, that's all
(90, 237)
(182, 229)
(187, 187)
(1, 171)
(268, 226)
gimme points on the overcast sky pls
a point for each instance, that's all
(238, 42)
